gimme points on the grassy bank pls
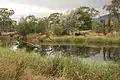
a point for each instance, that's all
(25, 66)
(83, 40)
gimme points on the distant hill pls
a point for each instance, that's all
(105, 17)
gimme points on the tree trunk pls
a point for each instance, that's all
(118, 20)
(109, 23)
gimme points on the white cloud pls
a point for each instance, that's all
(26, 9)
(40, 11)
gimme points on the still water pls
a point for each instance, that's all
(87, 53)
(84, 52)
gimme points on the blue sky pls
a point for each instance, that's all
(42, 8)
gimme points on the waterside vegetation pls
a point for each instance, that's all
(21, 65)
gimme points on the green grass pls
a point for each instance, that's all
(32, 35)
(21, 65)
(81, 40)
(84, 40)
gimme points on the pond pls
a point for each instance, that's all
(88, 53)
(84, 52)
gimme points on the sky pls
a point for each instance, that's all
(42, 8)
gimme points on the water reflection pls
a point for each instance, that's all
(88, 53)
(84, 52)
(111, 53)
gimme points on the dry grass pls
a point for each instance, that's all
(25, 66)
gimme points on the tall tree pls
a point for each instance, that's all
(31, 24)
(31, 18)
(116, 8)
(79, 18)
(42, 26)
(5, 20)
(54, 21)
(55, 17)
(26, 25)
(113, 8)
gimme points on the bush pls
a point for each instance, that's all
(97, 26)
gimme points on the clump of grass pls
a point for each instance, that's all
(96, 40)
(79, 40)
(6, 42)
(27, 66)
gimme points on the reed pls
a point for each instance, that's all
(20, 65)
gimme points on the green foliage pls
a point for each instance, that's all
(31, 24)
(55, 18)
(97, 26)
(54, 23)
(113, 8)
(23, 27)
(57, 23)
(5, 20)
(56, 29)
(41, 26)
(78, 19)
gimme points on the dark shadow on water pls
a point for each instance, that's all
(90, 53)
(85, 52)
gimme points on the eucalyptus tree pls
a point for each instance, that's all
(78, 19)
(31, 24)
(55, 17)
(5, 20)
(54, 23)
(42, 26)
(114, 11)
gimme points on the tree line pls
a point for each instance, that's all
(63, 23)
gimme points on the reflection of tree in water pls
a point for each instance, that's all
(111, 53)
(70, 50)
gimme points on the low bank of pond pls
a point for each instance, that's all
(81, 40)
(87, 48)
